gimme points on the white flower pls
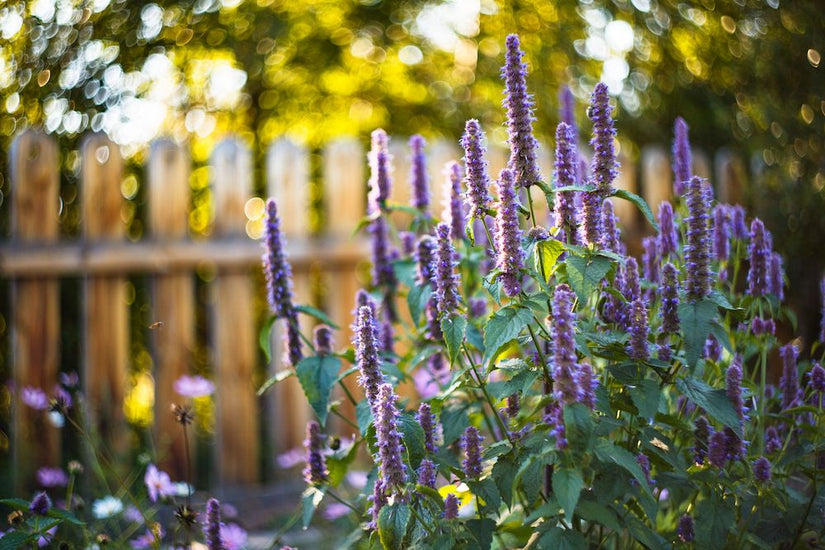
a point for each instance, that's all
(107, 507)
(181, 489)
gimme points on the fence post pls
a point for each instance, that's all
(233, 331)
(106, 338)
(626, 210)
(657, 177)
(35, 301)
(441, 152)
(173, 298)
(288, 184)
(730, 177)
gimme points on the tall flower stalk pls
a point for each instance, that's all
(519, 104)
(509, 256)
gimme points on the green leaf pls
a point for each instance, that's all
(531, 476)
(317, 376)
(518, 383)
(596, 512)
(504, 474)
(578, 426)
(417, 299)
(715, 402)
(363, 415)
(413, 436)
(279, 376)
(318, 314)
(492, 284)
(264, 341)
(608, 452)
(64, 515)
(482, 530)
(454, 422)
(453, 329)
(487, 491)
(713, 522)
(15, 539)
(503, 328)
(567, 188)
(562, 539)
(646, 397)
(310, 500)
(696, 319)
(586, 274)
(392, 525)
(547, 254)
(720, 300)
(640, 204)
(338, 463)
(567, 486)
(16, 503)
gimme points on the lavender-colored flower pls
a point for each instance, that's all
(380, 183)
(378, 500)
(513, 405)
(510, 257)
(519, 104)
(776, 282)
(822, 310)
(426, 420)
(565, 366)
(478, 182)
(407, 242)
(69, 379)
(650, 259)
(450, 507)
(478, 307)
(567, 110)
(701, 433)
(51, 478)
(762, 469)
(233, 536)
(322, 336)
(631, 289)
(471, 441)
(315, 471)
(432, 318)
(668, 237)
(62, 398)
(759, 251)
(772, 440)
(425, 256)
(554, 417)
(158, 483)
(739, 229)
(591, 218)
(697, 252)
(681, 157)
(644, 464)
(193, 386)
(389, 439)
(604, 166)
(611, 235)
(277, 270)
(685, 529)
(712, 349)
(818, 378)
(41, 504)
(366, 354)
(382, 271)
(789, 381)
(418, 175)
(637, 348)
(721, 232)
(664, 352)
(718, 450)
(446, 280)
(453, 207)
(386, 336)
(427, 473)
(34, 398)
(733, 387)
(588, 383)
(292, 338)
(734, 446)
(566, 172)
(760, 326)
(147, 539)
(212, 529)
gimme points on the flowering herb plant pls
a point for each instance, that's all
(569, 394)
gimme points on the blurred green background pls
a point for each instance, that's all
(745, 74)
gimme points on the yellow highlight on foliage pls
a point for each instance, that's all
(139, 405)
(462, 493)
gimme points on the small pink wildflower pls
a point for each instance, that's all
(193, 386)
(233, 536)
(35, 398)
(158, 483)
(52, 477)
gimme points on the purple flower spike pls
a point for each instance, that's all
(762, 469)
(650, 259)
(789, 381)
(733, 387)
(776, 279)
(520, 118)
(446, 280)
(212, 529)
(644, 464)
(471, 441)
(454, 209)
(592, 218)
(668, 237)
(386, 336)
(378, 500)
(407, 242)
(681, 157)
(637, 348)
(478, 182)
(721, 232)
(589, 383)
(566, 175)
(40, 505)
(822, 310)
(323, 340)
(712, 349)
(567, 110)
(760, 252)
(718, 450)
(685, 529)
(697, 252)
(604, 165)
(611, 234)
(293, 353)
(554, 416)
(418, 175)
(632, 289)
(739, 228)
(389, 439)
(513, 405)
(478, 307)
(366, 354)
(427, 422)
(450, 507)
(772, 440)
(701, 433)
(382, 272)
(565, 366)
(818, 378)
(427, 473)
(509, 258)
(315, 471)
(425, 257)
(276, 267)
(380, 184)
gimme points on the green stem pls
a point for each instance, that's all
(344, 502)
(348, 393)
(345, 419)
(483, 386)
(423, 523)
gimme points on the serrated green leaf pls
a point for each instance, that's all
(567, 486)
(482, 530)
(64, 515)
(318, 314)
(363, 415)
(417, 299)
(714, 401)
(608, 452)
(392, 525)
(714, 520)
(720, 300)
(640, 203)
(518, 383)
(562, 539)
(264, 340)
(546, 255)
(503, 328)
(504, 475)
(15, 539)
(454, 421)
(317, 376)
(586, 274)
(16, 503)
(596, 512)
(453, 329)
(310, 500)
(279, 376)
(578, 426)
(696, 319)
(412, 434)
(338, 463)
(646, 397)
(492, 284)
(487, 491)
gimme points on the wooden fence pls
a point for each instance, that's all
(36, 257)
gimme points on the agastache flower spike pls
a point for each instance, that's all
(632, 289)
(212, 530)
(604, 165)
(508, 235)
(450, 507)
(407, 242)
(478, 182)
(446, 280)
(315, 471)
(427, 473)
(772, 440)
(685, 530)
(588, 383)
(611, 235)
(733, 389)
(382, 272)
(563, 330)
(681, 157)
(40, 504)
(427, 422)
(718, 450)
(418, 175)
(776, 282)
(453, 208)
(566, 172)
(818, 378)
(592, 218)
(822, 310)
(323, 340)
(378, 500)
(471, 441)
(567, 111)
(389, 439)
(650, 259)
(701, 433)
(697, 252)
(759, 255)
(670, 299)
(366, 354)
(637, 347)
(520, 118)
(555, 417)
(762, 469)
(668, 238)
(277, 270)
(721, 232)
(380, 184)
(293, 353)
(789, 381)
(425, 256)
